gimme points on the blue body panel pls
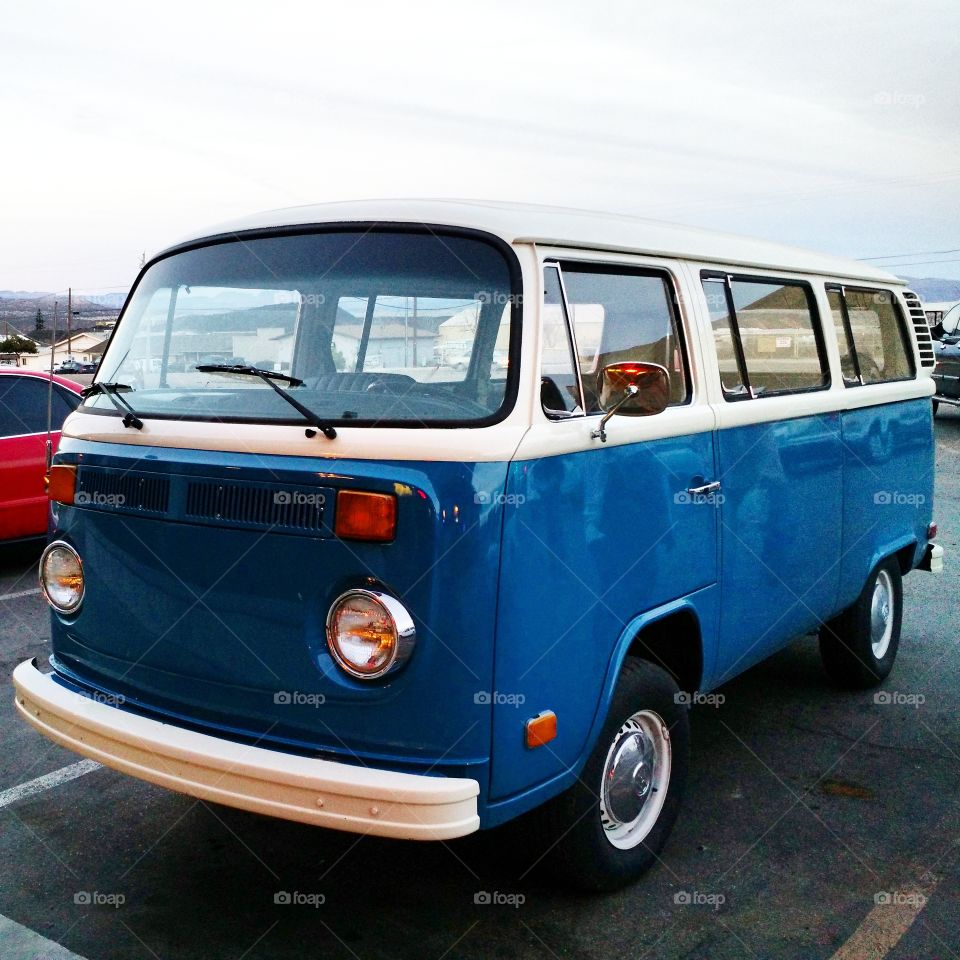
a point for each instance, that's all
(780, 533)
(527, 582)
(888, 464)
(591, 540)
(209, 623)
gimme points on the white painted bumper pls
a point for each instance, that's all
(322, 792)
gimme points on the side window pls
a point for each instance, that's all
(620, 314)
(844, 340)
(23, 406)
(879, 339)
(559, 382)
(728, 346)
(767, 336)
(63, 403)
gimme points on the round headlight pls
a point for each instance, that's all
(369, 633)
(61, 577)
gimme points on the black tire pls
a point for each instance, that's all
(936, 407)
(570, 825)
(847, 642)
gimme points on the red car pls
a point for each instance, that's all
(23, 436)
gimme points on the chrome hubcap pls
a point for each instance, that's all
(881, 615)
(635, 779)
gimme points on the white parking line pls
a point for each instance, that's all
(884, 926)
(22, 943)
(47, 781)
(19, 593)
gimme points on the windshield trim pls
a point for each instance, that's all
(511, 389)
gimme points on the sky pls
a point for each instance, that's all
(832, 125)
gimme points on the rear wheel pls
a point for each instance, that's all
(610, 826)
(859, 646)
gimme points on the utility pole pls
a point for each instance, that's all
(414, 331)
(53, 334)
(69, 317)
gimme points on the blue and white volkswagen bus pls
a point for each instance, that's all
(407, 518)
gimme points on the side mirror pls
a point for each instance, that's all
(633, 389)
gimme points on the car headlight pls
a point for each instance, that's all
(369, 633)
(61, 577)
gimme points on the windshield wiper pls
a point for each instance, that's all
(268, 377)
(112, 392)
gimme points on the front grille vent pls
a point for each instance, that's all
(105, 489)
(921, 328)
(266, 506)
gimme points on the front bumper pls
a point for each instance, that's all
(322, 792)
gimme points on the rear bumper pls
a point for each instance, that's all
(322, 792)
(932, 560)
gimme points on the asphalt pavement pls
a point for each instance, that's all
(817, 824)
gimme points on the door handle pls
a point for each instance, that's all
(702, 491)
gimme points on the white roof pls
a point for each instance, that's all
(517, 222)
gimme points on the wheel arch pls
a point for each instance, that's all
(650, 636)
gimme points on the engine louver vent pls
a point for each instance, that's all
(921, 329)
(119, 490)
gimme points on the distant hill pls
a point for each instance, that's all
(934, 289)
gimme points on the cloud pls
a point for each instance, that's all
(826, 124)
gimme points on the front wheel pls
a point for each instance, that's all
(859, 646)
(611, 825)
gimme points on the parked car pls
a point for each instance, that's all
(23, 435)
(431, 606)
(69, 366)
(946, 348)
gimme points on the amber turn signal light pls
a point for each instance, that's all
(366, 516)
(541, 729)
(62, 483)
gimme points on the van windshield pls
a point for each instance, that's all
(383, 327)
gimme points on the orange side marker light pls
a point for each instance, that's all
(541, 729)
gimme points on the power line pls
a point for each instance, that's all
(917, 253)
(918, 263)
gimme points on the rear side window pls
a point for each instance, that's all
(23, 406)
(767, 335)
(873, 341)
(620, 314)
